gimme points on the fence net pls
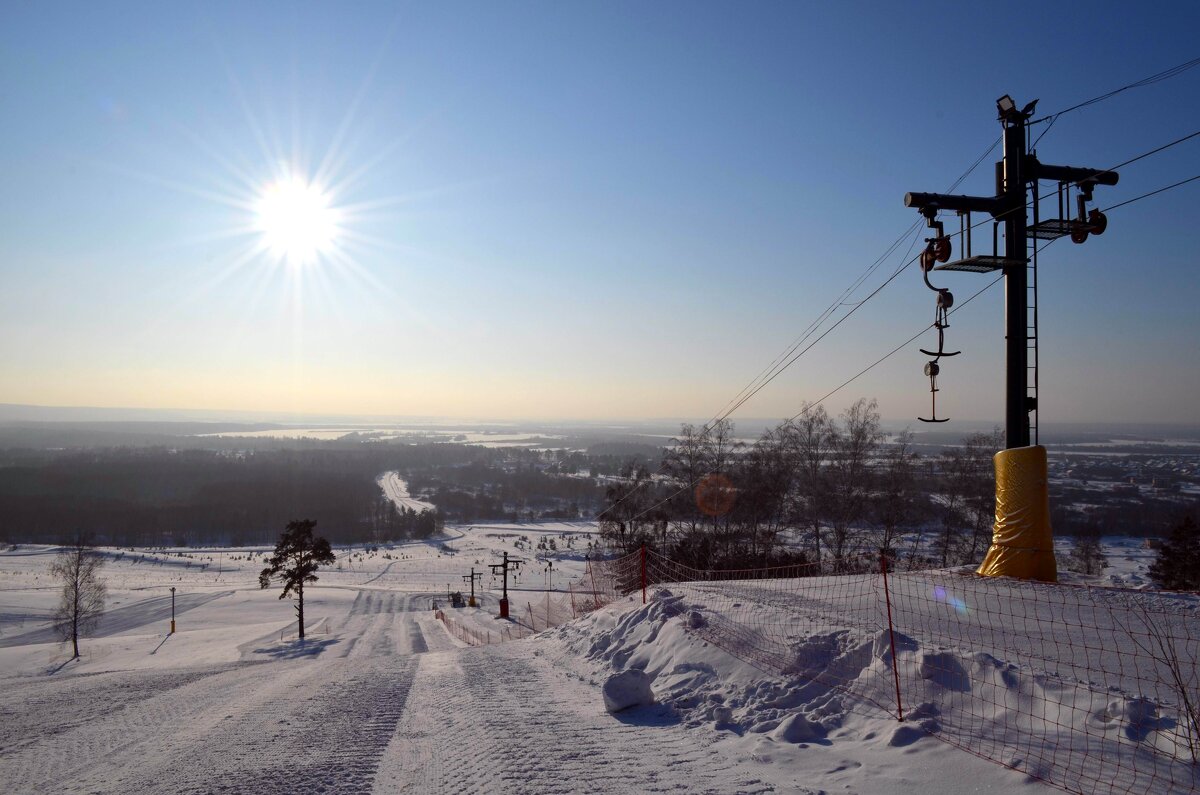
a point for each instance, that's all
(1093, 690)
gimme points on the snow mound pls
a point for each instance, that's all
(665, 645)
(799, 729)
(810, 687)
(627, 689)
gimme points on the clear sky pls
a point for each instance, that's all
(569, 210)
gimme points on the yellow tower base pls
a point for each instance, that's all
(1022, 542)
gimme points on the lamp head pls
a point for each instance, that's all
(1006, 106)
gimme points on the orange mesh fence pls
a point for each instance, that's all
(538, 612)
(1093, 690)
(478, 636)
(786, 619)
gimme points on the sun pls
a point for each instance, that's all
(298, 223)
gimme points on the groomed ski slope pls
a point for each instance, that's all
(380, 698)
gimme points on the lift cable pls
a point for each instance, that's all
(810, 406)
(1187, 137)
(813, 326)
(1166, 74)
(841, 300)
(1153, 193)
(754, 386)
(777, 371)
(1025, 206)
(789, 357)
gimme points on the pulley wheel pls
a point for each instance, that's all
(1099, 222)
(941, 249)
(932, 369)
(1079, 235)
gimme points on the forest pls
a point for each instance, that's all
(817, 488)
(155, 496)
(834, 492)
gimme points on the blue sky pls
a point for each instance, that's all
(571, 210)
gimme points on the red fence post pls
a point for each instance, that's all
(643, 574)
(595, 593)
(887, 597)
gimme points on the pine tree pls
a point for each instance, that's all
(1177, 567)
(297, 557)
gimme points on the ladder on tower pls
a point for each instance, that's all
(1031, 324)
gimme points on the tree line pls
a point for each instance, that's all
(153, 496)
(816, 489)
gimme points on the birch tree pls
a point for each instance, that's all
(83, 594)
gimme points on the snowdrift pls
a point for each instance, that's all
(1087, 689)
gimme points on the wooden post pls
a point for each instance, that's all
(891, 635)
(643, 574)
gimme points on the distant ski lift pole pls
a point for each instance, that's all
(472, 577)
(549, 569)
(503, 568)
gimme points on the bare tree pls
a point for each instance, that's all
(297, 557)
(630, 515)
(1174, 650)
(811, 436)
(854, 444)
(895, 501)
(83, 594)
(764, 481)
(968, 498)
(722, 447)
(723, 452)
(1087, 556)
(687, 460)
(978, 488)
(948, 538)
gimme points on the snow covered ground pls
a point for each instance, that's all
(1128, 562)
(396, 490)
(381, 698)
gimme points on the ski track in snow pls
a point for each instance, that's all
(381, 698)
(386, 702)
(315, 724)
(567, 743)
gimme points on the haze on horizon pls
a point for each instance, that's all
(583, 211)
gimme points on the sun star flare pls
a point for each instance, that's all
(297, 220)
